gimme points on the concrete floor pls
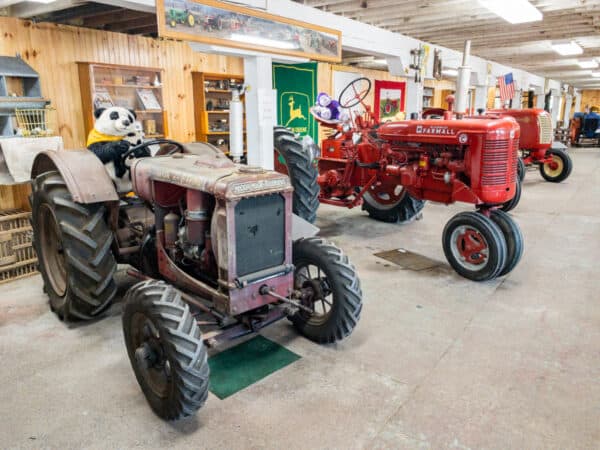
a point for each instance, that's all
(436, 361)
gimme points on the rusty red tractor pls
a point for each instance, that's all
(536, 144)
(391, 169)
(213, 243)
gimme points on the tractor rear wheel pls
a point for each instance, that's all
(474, 246)
(392, 204)
(513, 202)
(512, 236)
(331, 290)
(166, 350)
(73, 244)
(292, 159)
(521, 169)
(559, 169)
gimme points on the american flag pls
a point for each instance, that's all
(507, 87)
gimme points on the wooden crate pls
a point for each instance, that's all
(17, 257)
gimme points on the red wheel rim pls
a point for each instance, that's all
(469, 247)
(387, 193)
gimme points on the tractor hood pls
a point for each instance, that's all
(211, 173)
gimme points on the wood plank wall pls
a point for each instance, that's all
(589, 98)
(53, 50)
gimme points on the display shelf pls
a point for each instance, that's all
(105, 85)
(211, 90)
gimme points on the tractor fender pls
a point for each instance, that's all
(84, 174)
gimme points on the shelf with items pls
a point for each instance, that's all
(212, 95)
(135, 88)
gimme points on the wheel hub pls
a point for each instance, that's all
(555, 167)
(471, 246)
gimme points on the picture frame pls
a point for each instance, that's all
(218, 23)
(389, 100)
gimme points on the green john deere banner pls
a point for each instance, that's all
(296, 86)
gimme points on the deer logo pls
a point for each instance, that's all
(295, 113)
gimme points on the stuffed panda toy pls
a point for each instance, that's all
(113, 133)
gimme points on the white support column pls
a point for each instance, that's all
(567, 112)
(481, 94)
(516, 101)
(540, 100)
(258, 75)
(577, 102)
(555, 108)
(414, 97)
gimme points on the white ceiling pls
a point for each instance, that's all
(526, 46)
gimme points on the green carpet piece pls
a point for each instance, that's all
(243, 365)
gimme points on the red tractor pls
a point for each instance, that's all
(214, 243)
(536, 144)
(390, 170)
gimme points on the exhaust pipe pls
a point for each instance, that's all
(462, 82)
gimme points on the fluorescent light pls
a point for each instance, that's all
(513, 11)
(591, 64)
(450, 72)
(567, 48)
(596, 74)
(380, 61)
(43, 1)
(264, 42)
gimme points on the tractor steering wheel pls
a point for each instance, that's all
(355, 92)
(141, 150)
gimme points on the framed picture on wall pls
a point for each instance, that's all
(219, 23)
(389, 100)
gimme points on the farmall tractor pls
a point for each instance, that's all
(536, 144)
(391, 169)
(213, 243)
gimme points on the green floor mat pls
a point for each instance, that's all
(238, 367)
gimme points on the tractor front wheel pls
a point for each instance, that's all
(73, 244)
(513, 202)
(559, 168)
(512, 236)
(391, 203)
(292, 159)
(166, 350)
(330, 288)
(474, 246)
(521, 169)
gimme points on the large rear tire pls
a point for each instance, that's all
(73, 244)
(295, 161)
(166, 350)
(563, 165)
(336, 300)
(521, 169)
(391, 207)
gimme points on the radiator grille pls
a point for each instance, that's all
(260, 233)
(499, 162)
(545, 128)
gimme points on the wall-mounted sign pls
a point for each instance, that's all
(217, 23)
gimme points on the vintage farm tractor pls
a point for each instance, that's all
(536, 144)
(392, 168)
(214, 243)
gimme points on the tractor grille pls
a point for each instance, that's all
(260, 233)
(499, 162)
(545, 128)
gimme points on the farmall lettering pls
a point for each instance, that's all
(435, 130)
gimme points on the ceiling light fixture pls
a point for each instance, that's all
(264, 42)
(513, 11)
(450, 72)
(591, 64)
(567, 48)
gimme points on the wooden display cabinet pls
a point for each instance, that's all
(212, 95)
(137, 88)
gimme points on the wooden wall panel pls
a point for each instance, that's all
(590, 98)
(53, 50)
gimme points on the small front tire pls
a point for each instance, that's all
(474, 246)
(332, 290)
(512, 236)
(559, 169)
(166, 350)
